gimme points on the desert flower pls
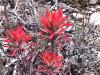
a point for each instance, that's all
(54, 22)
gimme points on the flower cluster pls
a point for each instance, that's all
(18, 35)
(21, 45)
(52, 59)
(54, 22)
(16, 39)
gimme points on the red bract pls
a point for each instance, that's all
(17, 39)
(18, 35)
(53, 22)
(52, 59)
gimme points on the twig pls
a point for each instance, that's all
(6, 18)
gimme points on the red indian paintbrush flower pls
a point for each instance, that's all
(18, 35)
(52, 59)
(16, 38)
(53, 22)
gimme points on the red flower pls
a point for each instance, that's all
(18, 35)
(53, 22)
(52, 59)
(16, 39)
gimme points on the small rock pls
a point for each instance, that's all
(95, 19)
(93, 1)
